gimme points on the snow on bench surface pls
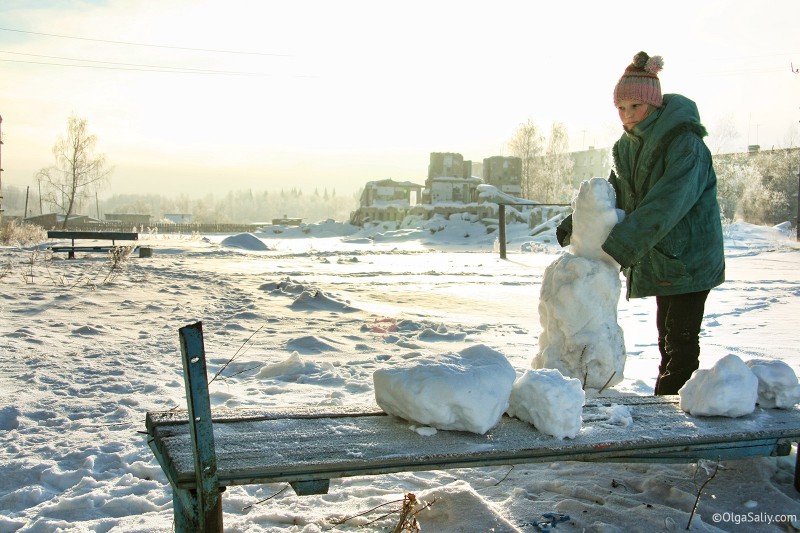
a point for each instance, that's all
(307, 444)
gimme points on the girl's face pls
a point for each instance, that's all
(632, 112)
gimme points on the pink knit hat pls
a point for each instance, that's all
(640, 82)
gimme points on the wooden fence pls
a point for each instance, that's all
(163, 227)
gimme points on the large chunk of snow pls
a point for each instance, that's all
(578, 312)
(549, 401)
(595, 215)
(467, 391)
(777, 383)
(729, 388)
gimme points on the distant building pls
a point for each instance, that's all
(132, 219)
(755, 153)
(449, 165)
(587, 164)
(449, 179)
(386, 200)
(390, 191)
(504, 173)
(179, 218)
(448, 189)
(56, 220)
(287, 221)
(477, 168)
(48, 221)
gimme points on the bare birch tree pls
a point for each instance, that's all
(77, 172)
(528, 144)
(557, 176)
(546, 164)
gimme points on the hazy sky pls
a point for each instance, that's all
(199, 96)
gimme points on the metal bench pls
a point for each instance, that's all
(202, 452)
(112, 236)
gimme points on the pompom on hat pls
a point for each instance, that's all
(640, 80)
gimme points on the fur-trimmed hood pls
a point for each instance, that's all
(678, 115)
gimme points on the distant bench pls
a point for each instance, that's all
(307, 447)
(112, 236)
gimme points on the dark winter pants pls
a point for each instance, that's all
(678, 318)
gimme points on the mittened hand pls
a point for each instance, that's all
(562, 236)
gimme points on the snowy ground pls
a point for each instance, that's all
(307, 321)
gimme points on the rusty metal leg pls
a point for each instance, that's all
(184, 507)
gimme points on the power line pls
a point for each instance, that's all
(165, 70)
(147, 68)
(128, 43)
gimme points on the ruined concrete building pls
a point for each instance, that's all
(450, 179)
(386, 200)
(449, 189)
(504, 173)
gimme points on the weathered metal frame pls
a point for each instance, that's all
(197, 509)
(197, 500)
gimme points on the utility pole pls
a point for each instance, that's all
(797, 218)
(1, 170)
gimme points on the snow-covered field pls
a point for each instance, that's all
(304, 317)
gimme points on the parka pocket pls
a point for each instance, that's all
(668, 271)
(674, 243)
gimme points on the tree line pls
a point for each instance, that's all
(234, 207)
(760, 187)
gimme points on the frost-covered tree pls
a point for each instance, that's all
(77, 172)
(557, 175)
(528, 144)
(546, 165)
(759, 188)
(734, 172)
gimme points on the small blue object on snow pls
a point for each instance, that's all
(549, 521)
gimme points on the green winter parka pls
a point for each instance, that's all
(670, 241)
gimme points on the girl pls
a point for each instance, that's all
(669, 244)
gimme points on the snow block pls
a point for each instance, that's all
(548, 400)
(729, 388)
(467, 391)
(777, 383)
